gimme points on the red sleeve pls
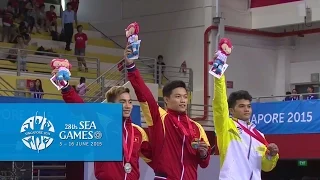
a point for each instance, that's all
(204, 162)
(69, 95)
(144, 96)
(99, 171)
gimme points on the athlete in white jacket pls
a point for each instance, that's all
(244, 152)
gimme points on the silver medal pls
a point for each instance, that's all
(127, 168)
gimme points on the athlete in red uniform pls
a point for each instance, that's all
(135, 139)
(171, 131)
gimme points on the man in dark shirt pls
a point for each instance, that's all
(311, 96)
(160, 68)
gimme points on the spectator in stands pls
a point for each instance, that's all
(15, 5)
(310, 89)
(295, 95)
(288, 98)
(7, 23)
(30, 14)
(41, 17)
(160, 68)
(22, 56)
(68, 18)
(37, 91)
(81, 40)
(81, 87)
(51, 19)
(75, 6)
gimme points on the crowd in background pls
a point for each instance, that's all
(294, 95)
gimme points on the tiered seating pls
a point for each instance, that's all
(98, 47)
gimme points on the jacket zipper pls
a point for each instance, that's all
(182, 153)
(249, 152)
(125, 129)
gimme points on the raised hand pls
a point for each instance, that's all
(127, 51)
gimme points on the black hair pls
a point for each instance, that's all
(52, 6)
(82, 80)
(238, 95)
(169, 87)
(79, 26)
(40, 85)
(160, 57)
(69, 4)
(288, 93)
(311, 87)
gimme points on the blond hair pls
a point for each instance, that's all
(114, 92)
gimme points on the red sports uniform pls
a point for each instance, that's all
(51, 16)
(170, 135)
(140, 147)
(80, 40)
(75, 5)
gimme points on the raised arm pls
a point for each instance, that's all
(69, 95)
(149, 105)
(220, 105)
(145, 148)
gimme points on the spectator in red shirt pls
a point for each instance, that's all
(15, 5)
(75, 6)
(81, 40)
(7, 23)
(51, 17)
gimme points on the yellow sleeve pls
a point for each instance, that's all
(145, 149)
(203, 134)
(268, 163)
(220, 106)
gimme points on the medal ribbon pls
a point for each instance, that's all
(191, 132)
(128, 150)
(255, 134)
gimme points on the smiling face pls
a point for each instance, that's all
(120, 94)
(126, 102)
(178, 100)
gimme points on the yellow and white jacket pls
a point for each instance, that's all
(242, 157)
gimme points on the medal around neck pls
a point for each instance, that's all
(127, 168)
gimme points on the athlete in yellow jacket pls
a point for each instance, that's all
(244, 152)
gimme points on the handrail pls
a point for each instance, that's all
(91, 61)
(44, 93)
(1, 78)
(106, 36)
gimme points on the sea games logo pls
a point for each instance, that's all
(37, 131)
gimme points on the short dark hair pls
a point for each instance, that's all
(52, 6)
(238, 95)
(79, 26)
(69, 4)
(169, 87)
(160, 57)
(311, 87)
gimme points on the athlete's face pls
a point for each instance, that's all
(178, 100)
(242, 110)
(126, 101)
